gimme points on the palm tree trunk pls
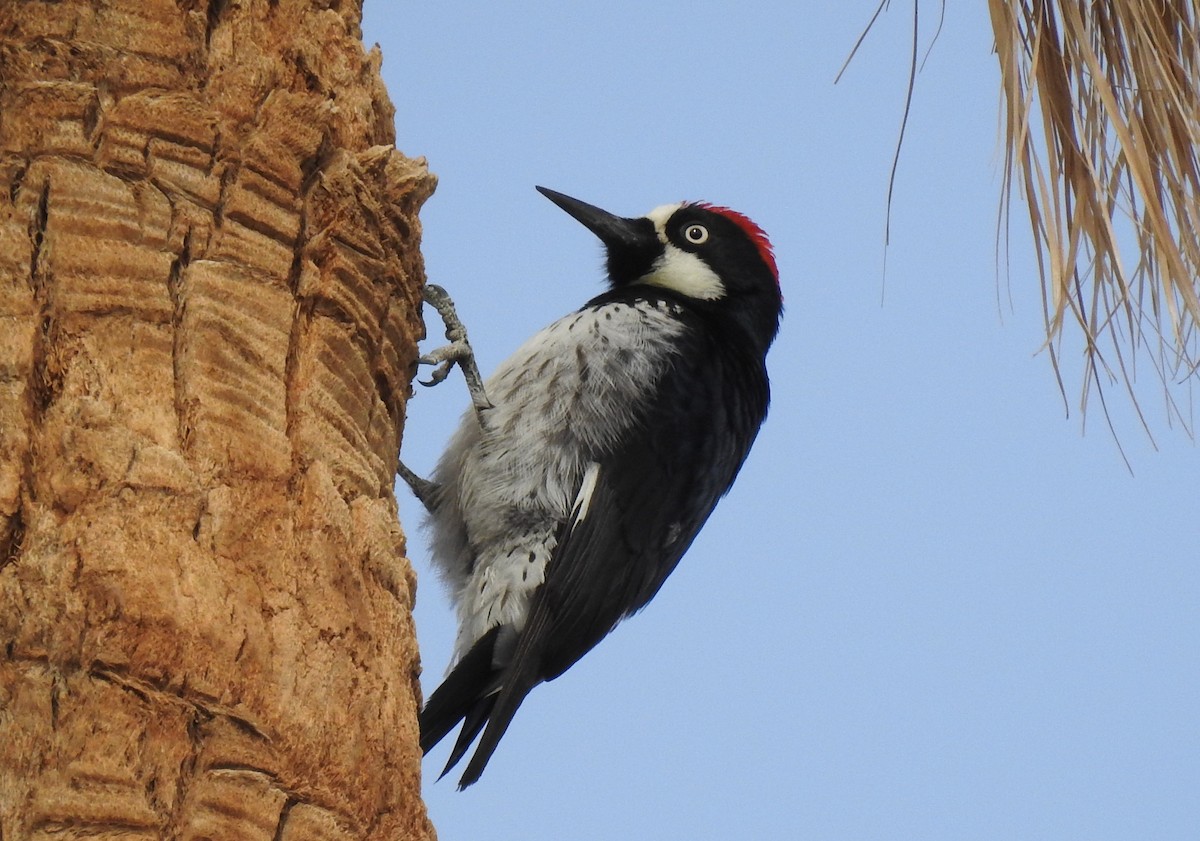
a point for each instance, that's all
(209, 287)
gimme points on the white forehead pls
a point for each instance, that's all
(659, 217)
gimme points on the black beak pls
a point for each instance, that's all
(632, 244)
(618, 234)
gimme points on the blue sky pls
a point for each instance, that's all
(932, 607)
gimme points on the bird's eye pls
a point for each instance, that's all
(696, 234)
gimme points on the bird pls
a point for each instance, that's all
(594, 455)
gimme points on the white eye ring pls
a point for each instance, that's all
(696, 234)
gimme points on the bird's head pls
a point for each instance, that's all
(711, 256)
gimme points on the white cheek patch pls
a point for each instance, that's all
(678, 270)
(685, 273)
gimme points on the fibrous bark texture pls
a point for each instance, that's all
(209, 295)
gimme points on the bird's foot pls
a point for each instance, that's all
(422, 489)
(458, 352)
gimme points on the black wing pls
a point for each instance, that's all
(650, 498)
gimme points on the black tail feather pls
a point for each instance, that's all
(520, 676)
(482, 694)
(472, 723)
(460, 695)
(500, 711)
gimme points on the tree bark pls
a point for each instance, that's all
(209, 300)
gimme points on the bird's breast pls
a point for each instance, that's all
(570, 394)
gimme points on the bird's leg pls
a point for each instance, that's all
(446, 357)
(422, 489)
(457, 352)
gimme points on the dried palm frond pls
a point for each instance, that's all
(1102, 126)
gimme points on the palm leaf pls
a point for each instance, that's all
(1102, 124)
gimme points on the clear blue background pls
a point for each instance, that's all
(932, 607)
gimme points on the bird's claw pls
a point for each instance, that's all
(458, 352)
(445, 358)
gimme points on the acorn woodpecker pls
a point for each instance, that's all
(594, 455)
